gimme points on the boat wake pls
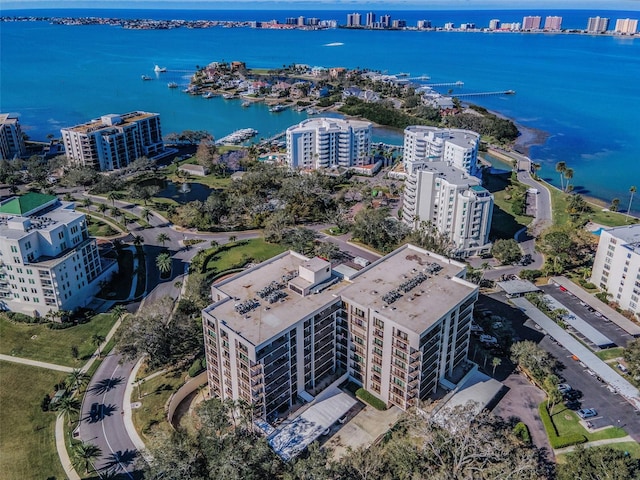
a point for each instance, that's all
(334, 44)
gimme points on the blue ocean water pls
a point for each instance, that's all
(580, 89)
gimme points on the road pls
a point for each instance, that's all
(106, 427)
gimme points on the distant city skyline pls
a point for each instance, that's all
(534, 5)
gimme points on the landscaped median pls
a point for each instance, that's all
(564, 429)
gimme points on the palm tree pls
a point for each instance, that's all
(67, 406)
(163, 262)
(76, 379)
(102, 207)
(138, 240)
(146, 213)
(162, 238)
(118, 311)
(632, 191)
(113, 196)
(561, 167)
(84, 455)
(214, 243)
(496, 362)
(96, 340)
(87, 202)
(568, 175)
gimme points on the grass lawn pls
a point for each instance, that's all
(38, 342)
(633, 448)
(504, 223)
(27, 439)
(98, 228)
(256, 250)
(155, 393)
(100, 215)
(567, 422)
(560, 200)
(610, 353)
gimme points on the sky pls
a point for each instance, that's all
(330, 4)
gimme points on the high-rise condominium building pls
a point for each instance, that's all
(354, 20)
(531, 23)
(553, 24)
(11, 138)
(385, 21)
(626, 26)
(616, 268)
(433, 144)
(114, 141)
(328, 143)
(287, 328)
(494, 24)
(48, 261)
(371, 19)
(597, 25)
(452, 201)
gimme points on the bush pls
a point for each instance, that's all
(22, 318)
(529, 274)
(60, 326)
(555, 440)
(522, 432)
(367, 397)
(199, 364)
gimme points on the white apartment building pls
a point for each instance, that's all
(626, 26)
(285, 329)
(328, 143)
(114, 141)
(553, 23)
(47, 259)
(616, 268)
(531, 23)
(451, 145)
(451, 200)
(11, 139)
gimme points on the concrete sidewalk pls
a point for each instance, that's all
(596, 443)
(36, 363)
(128, 414)
(61, 446)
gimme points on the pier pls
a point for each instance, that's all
(485, 94)
(446, 84)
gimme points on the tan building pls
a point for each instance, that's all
(283, 330)
(626, 26)
(113, 141)
(11, 140)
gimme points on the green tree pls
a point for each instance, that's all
(68, 407)
(495, 363)
(84, 456)
(76, 379)
(554, 396)
(138, 240)
(146, 214)
(96, 341)
(113, 196)
(162, 238)
(615, 204)
(506, 251)
(74, 351)
(561, 167)
(163, 263)
(631, 355)
(598, 463)
(102, 207)
(568, 175)
(632, 192)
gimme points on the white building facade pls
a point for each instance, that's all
(432, 144)
(616, 268)
(48, 261)
(113, 141)
(451, 200)
(287, 328)
(11, 138)
(328, 143)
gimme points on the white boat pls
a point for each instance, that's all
(146, 77)
(159, 69)
(228, 96)
(277, 108)
(208, 95)
(246, 104)
(172, 85)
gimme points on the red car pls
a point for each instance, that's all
(562, 289)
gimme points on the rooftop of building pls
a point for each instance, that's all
(328, 123)
(25, 204)
(411, 287)
(101, 123)
(50, 217)
(266, 319)
(8, 118)
(462, 138)
(451, 175)
(629, 234)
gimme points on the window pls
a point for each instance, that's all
(14, 249)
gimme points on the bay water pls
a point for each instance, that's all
(579, 89)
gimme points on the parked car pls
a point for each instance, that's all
(572, 395)
(587, 413)
(622, 368)
(564, 388)
(572, 404)
(488, 339)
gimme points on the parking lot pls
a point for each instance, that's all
(589, 315)
(612, 408)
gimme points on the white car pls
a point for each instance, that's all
(564, 388)
(488, 339)
(587, 413)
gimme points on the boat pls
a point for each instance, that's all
(208, 95)
(246, 104)
(172, 85)
(159, 69)
(228, 96)
(277, 108)
(146, 77)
